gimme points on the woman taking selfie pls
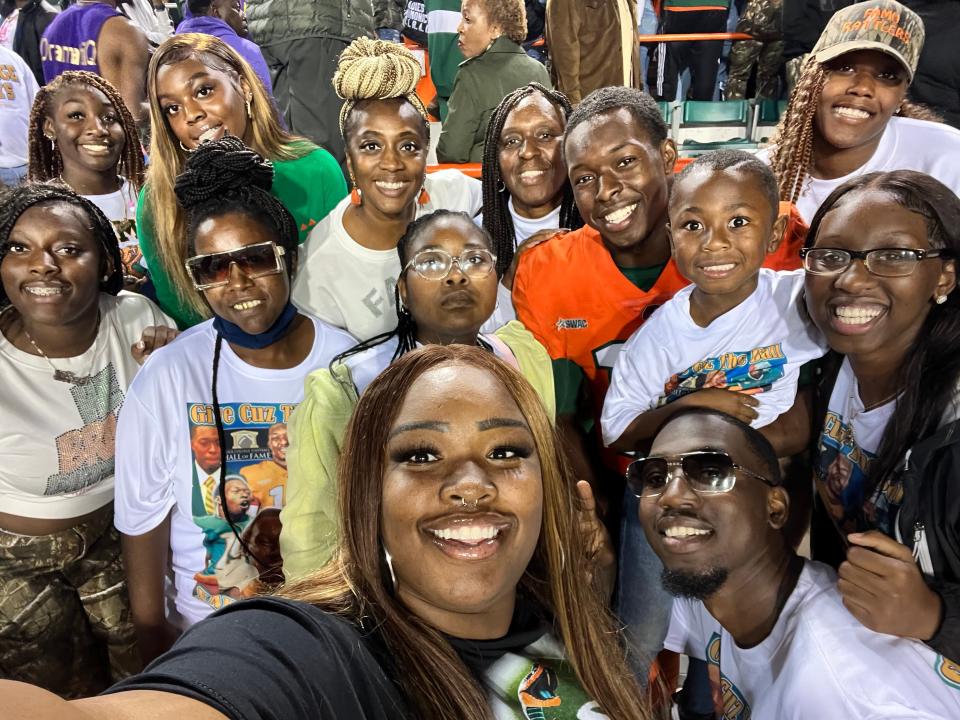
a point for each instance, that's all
(454, 473)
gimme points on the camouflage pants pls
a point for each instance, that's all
(64, 615)
(764, 20)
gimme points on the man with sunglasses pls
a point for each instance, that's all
(772, 626)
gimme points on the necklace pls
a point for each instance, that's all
(66, 376)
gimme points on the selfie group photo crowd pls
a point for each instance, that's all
(480, 360)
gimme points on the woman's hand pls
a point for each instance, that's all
(531, 242)
(601, 560)
(153, 337)
(883, 588)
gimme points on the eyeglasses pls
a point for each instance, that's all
(437, 264)
(884, 262)
(706, 472)
(213, 270)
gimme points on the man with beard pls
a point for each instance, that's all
(772, 626)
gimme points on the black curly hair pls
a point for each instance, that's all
(225, 176)
(17, 200)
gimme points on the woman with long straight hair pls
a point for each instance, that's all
(200, 89)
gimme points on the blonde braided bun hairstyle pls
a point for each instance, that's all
(376, 70)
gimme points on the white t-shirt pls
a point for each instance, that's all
(906, 144)
(818, 662)
(523, 228)
(57, 443)
(8, 29)
(847, 446)
(18, 88)
(157, 467)
(351, 286)
(755, 348)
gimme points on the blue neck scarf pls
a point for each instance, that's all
(235, 335)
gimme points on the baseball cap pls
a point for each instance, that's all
(882, 25)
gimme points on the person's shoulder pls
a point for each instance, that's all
(329, 339)
(192, 343)
(306, 157)
(325, 236)
(453, 190)
(914, 128)
(563, 253)
(133, 310)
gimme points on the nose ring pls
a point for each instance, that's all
(473, 506)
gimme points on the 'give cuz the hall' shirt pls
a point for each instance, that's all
(166, 435)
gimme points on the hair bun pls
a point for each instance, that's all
(219, 166)
(376, 69)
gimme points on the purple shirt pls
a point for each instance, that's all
(247, 49)
(70, 41)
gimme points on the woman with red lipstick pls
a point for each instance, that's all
(490, 33)
(350, 267)
(82, 134)
(849, 114)
(447, 290)
(199, 416)
(65, 365)
(881, 285)
(200, 89)
(460, 587)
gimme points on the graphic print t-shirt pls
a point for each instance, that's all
(57, 438)
(120, 207)
(818, 662)
(171, 458)
(755, 348)
(847, 447)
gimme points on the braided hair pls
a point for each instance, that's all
(17, 200)
(376, 70)
(792, 155)
(46, 163)
(406, 329)
(225, 176)
(496, 212)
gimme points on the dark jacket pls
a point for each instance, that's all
(803, 21)
(584, 41)
(937, 81)
(32, 21)
(929, 518)
(482, 82)
(275, 21)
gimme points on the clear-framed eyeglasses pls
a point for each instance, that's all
(436, 264)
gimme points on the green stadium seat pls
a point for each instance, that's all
(726, 112)
(666, 110)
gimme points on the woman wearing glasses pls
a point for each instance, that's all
(350, 264)
(447, 289)
(202, 441)
(881, 278)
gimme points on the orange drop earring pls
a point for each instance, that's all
(356, 196)
(424, 197)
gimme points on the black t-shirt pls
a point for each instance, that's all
(267, 658)
(270, 658)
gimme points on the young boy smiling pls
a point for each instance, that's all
(733, 340)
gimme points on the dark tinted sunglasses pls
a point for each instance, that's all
(213, 270)
(706, 471)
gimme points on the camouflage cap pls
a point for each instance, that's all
(882, 25)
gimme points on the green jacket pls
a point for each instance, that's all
(317, 427)
(309, 186)
(275, 21)
(482, 82)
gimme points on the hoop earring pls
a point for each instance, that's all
(389, 561)
(185, 148)
(53, 143)
(501, 188)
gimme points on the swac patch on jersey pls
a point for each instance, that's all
(571, 324)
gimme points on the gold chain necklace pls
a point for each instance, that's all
(66, 376)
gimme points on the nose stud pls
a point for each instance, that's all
(473, 506)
